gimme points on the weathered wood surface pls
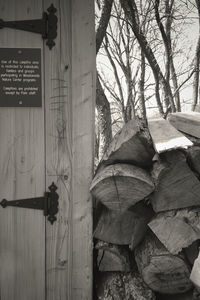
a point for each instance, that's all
(186, 122)
(70, 99)
(22, 231)
(195, 273)
(122, 286)
(177, 229)
(120, 186)
(126, 228)
(112, 257)
(192, 252)
(165, 137)
(176, 185)
(193, 156)
(132, 144)
(160, 270)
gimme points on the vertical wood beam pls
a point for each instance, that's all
(83, 101)
(69, 101)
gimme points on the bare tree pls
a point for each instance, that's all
(196, 65)
(104, 135)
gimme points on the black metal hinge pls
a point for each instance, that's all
(48, 203)
(47, 26)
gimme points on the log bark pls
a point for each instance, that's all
(120, 186)
(176, 185)
(193, 156)
(132, 144)
(160, 270)
(126, 228)
(177, 229)
(186, 122)
(120, 286)
(112, 257)
(192, 252)
(165, 137)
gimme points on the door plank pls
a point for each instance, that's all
(69, 97)
(22, 231)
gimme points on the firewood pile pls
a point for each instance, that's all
(147, 213)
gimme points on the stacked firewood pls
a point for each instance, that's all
(147, 213)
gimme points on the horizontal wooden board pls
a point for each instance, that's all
(186, 122)
(165, 137)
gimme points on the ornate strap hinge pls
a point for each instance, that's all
(47, 26)
(48, 203)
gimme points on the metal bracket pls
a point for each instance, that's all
(47, 26)
(48, 203)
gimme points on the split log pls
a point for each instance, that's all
(120, 186)
(120, 286)
(192, 252)
(132, 144)
(160, 270)
(177, 229)
(194, 158)
(165, 137)
(186, 122)
(195, 273)
(112, 257)
(176, 185)
(126, 228)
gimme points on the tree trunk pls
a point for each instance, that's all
(103, 24)
(141, 89)
(196, 63)
(104, 119)
(130, 12)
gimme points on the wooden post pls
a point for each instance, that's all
(70, 99)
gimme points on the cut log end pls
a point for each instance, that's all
(120, 186)
(162, 271)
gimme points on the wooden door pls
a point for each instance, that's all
(51, 143)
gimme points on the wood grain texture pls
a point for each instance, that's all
(160, 270)
(132, 144)
(112, 257)
(58, 120)
(165, 137)
(83, 100)
(193, 156)
(177, 229)
(126, 228)
(186, 122)
(70, 78)
(176, 185)
(22, 231)
(120, 186)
